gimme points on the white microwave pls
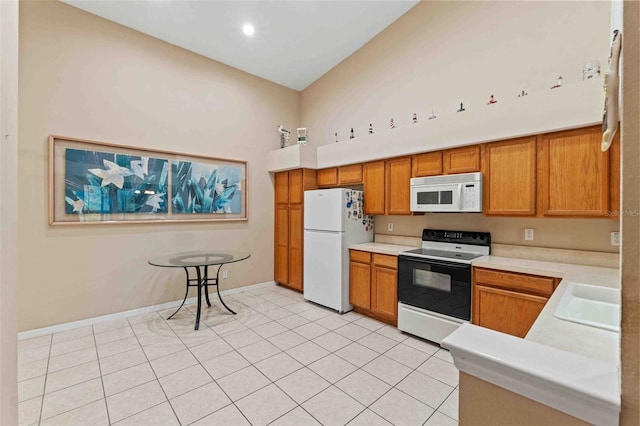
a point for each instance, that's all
(447, 193)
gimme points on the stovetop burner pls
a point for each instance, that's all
(460, 246)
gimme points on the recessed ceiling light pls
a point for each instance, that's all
(248, 29)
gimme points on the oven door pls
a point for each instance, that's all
(436, 198)
(435, 285)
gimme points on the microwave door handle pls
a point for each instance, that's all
(460, 197)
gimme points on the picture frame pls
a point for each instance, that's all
(103, 183)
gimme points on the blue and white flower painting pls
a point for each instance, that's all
(106, 183)
(205, 188)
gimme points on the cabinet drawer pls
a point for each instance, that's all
(328, 177)
(385, 260)
(513, 281)
(350, 174)
(360, 256)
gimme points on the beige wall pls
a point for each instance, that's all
(441, 53)
(630, 224)
(85, 77)
(577, 234)
(8, 210)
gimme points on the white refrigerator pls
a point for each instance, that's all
(333, 220)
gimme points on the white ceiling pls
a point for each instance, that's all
(295, 42)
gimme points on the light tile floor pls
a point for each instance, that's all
(279, 361)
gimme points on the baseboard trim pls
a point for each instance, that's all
(110, 317)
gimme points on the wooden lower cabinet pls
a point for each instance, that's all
(509, 302)
(373, 285)
(281, 267)
(296, 220)
(506, 311)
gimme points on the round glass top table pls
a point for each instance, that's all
(200, 261)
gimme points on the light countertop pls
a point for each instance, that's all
(381, 248)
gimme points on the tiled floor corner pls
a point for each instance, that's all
(279, 361)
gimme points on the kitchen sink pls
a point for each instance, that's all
(590, 305)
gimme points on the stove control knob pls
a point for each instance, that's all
(482, 237)
(474, 236)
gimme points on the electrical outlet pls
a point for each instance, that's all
(225, 274)
(390, 227)
(615, 238)
(528, 234)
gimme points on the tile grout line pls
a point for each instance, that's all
(104, 393)
(44, 387)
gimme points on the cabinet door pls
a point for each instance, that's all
(509, 170)
(328, 177)
(281, 269)
(573, 173)
(296, 194)
(349, 175)
(384, 292)
(397, 182)
(461, 160)
(374, 189)
(282, 187)
(360, 284)
(505, 311)
(295, 245)
(428, 164)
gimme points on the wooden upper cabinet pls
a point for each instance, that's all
(328, 177)
(428, 164)
(461, 160)
(397, 190)
(349, 175)
(573, 174)
(300, 180)
(374, 189)
(509, 170)
(296, 193)
(282, 187)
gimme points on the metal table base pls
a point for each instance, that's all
(201, 281)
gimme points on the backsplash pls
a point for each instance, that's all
(573, 234)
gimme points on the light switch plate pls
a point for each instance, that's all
(615, 238)
(390, 227)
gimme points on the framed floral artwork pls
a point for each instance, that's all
(96, 182)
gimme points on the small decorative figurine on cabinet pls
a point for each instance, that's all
(284, 136)
(370, 128)
(351, 135)
(392, 124)
(414, 120)
(558, 83)
(492, 100)
(523, 93)
(432, 115)
(461, 107)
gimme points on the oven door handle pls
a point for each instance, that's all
(438, 262)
